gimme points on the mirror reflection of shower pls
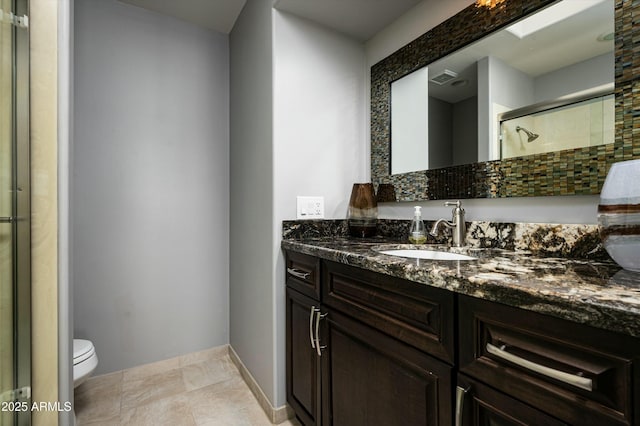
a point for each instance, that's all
(530, 135)
(582, 120)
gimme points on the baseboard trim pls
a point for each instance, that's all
(276, 415)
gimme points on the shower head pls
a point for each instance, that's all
(530, 135)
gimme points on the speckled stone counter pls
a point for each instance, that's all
(593, 292)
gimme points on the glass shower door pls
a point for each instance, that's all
(15, 279)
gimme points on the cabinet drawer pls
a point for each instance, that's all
(579, 374)
(303, 273)
(414, 313)
(481, 405)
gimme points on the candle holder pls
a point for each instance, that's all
(363, 211)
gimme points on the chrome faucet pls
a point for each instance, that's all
(457, 224)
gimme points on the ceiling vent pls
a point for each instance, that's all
(444, 77)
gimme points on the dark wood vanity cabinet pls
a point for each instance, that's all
(303, 363)
(363, 352)
(382, 337)
(302, 331)
(481, 405)
(578, 374)
(415, 314)
(369, 378)
(369, 349)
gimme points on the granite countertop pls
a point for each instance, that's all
(592, 292)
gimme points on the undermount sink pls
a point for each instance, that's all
(427, 254)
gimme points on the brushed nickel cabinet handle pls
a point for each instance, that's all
(460, 394)
(570, 379)
(9, 219)
(298, 274)
(311, 315)
(318, 347)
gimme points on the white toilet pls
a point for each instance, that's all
(85, 360)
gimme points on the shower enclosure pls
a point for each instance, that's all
(15, 240)
(571, 122)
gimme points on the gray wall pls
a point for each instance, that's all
(453, 132)
(318, 116)
(251, 243)
(440, 133)
(150, 185)
(584, 75)
(465, 131)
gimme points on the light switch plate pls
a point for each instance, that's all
(310, 207)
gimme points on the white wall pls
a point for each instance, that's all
(319, 115)
(557, 209)
(415, 22)
(319, 138)
(150, 185)
(252, 205)
(501, 88)
(410, 133)
(418, 20)
(297, 120)
(584, 75)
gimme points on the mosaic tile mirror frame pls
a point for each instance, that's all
(570, 172)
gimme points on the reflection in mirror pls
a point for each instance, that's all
(566, 124)
(409, 109)
(558, 52)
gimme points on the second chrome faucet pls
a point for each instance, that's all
(457, 224)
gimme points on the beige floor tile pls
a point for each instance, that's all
(171, 411)
(152, 369)
(138, 392)
(253, 416)
(201, 374)
(235, 419)
(114, 422)
(206, 355)
(221, 402)
(200, 389)
(97, 401)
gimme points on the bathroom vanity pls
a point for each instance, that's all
(507, 338)
(518, 335)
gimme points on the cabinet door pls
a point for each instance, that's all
(369, 378)
(303, 364)
(480, 405)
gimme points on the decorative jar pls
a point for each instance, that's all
(619, 214)
(363, 211)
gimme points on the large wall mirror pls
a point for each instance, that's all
(509, 99)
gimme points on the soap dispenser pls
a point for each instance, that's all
(417, 232)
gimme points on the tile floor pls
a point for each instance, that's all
(199, 389)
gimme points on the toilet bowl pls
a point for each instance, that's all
(85, 360)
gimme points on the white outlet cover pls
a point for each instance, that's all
(310, 207)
